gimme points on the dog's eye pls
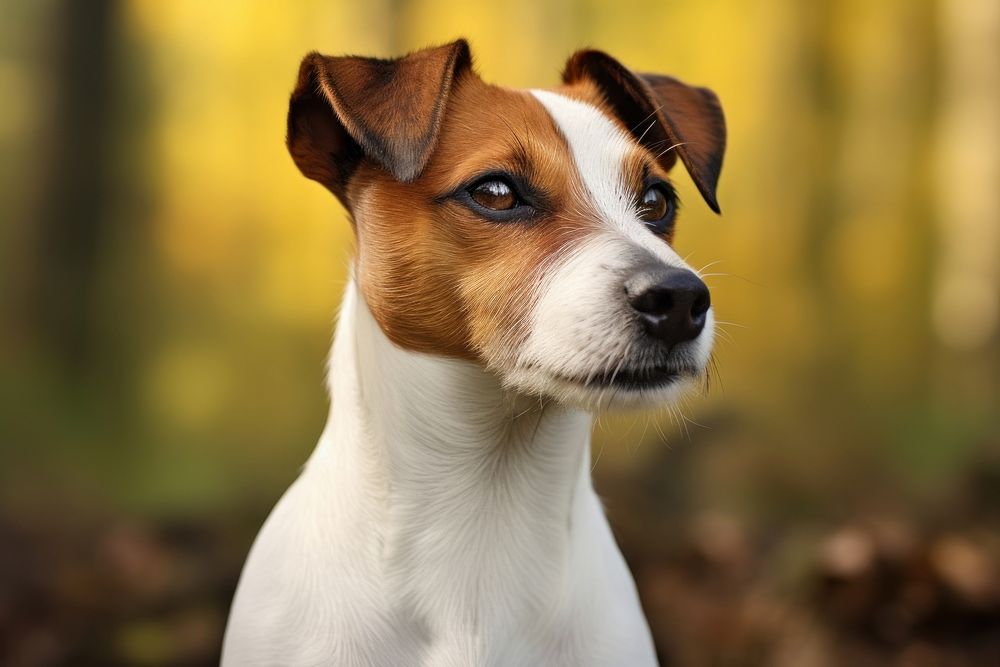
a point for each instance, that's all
(494, 194)
(499, 197)
(657, 207)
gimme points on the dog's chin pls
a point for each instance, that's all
(597, 391)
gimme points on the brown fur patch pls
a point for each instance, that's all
(437, 276)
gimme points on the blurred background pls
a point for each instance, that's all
(169, 281)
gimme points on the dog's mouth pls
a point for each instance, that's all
(630, 379)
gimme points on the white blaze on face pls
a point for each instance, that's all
(599, 148)
(582, 326)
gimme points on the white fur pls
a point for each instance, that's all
(440, 521)
(447, 516)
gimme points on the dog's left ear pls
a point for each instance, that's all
(663, 113)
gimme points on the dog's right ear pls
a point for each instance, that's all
(347, 108)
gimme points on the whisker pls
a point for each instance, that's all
(645, 428)
(683, 423)
(659, 431)
(713, 366)
(710, 264)
(648, 116)
(668, 149)
(725, 335)
(652, 124)
(743, 278)
(697, 423)
(597, 458)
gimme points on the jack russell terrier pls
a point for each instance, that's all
(514, 274)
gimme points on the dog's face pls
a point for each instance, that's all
(528, 231)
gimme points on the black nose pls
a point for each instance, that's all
(671, 303)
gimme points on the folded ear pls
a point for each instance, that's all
(663, 114)
(346, 108)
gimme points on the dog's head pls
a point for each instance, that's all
(528, 231)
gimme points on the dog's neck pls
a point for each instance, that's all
(475, 497)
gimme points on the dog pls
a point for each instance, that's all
(514, 274)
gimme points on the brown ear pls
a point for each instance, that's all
(346, 108)
(662, 113)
